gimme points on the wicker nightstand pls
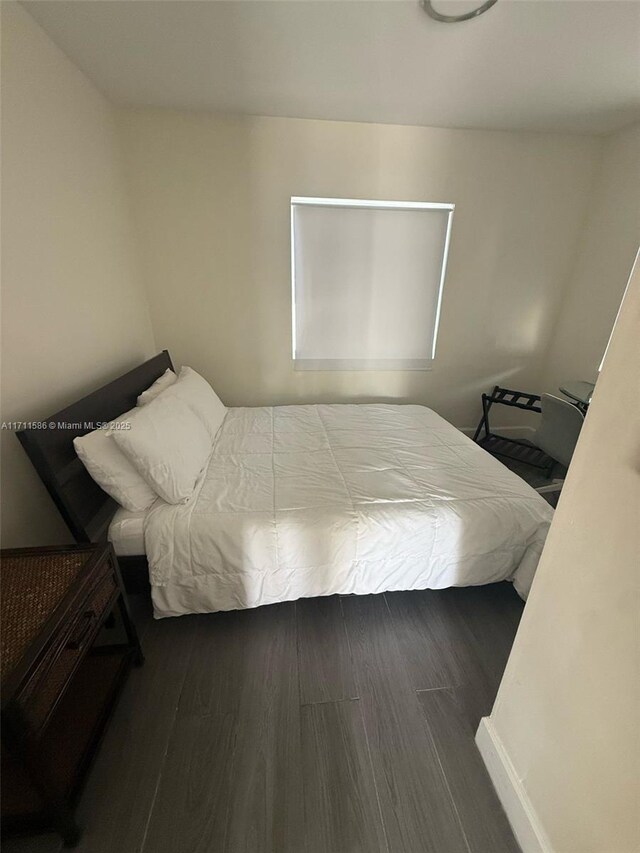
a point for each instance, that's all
(58, 685)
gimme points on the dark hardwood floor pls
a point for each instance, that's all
(334, 725)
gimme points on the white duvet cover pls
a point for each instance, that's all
(302, 501)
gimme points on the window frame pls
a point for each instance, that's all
(367, 364)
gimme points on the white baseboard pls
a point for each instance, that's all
(506, 431)
(522, 816)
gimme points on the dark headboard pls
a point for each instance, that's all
(86, 509)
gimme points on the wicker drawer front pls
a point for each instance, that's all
(46, 686)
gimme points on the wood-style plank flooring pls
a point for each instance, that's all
(333, 725)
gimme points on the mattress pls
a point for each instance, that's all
(300, 501)
(126, 532)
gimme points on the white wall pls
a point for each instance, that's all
(73, 307)
(567, 709)
(211, 195)
(606, 250)
(211, 199)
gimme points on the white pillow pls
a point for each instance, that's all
(161, 384)
(196, 392)
(111, 469)
(168, 445)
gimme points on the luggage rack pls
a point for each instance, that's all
(511, 448)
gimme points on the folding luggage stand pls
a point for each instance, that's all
(511, 448)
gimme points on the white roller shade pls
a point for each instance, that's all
(367, 282)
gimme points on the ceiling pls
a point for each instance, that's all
(558, 65)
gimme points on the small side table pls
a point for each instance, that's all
(579, 391)
(58, 687)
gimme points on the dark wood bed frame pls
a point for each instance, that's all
(85, 508)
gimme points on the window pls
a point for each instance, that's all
(367, 280)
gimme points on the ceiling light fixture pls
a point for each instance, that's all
(453, 19)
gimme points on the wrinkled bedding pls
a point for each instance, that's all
(301, 501)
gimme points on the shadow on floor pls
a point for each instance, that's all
(536, 477)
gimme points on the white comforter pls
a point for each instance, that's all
(313, 500)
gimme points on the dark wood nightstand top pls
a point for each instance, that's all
(35, 582)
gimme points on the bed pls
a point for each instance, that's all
(299, 501)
